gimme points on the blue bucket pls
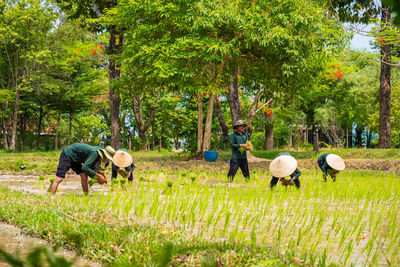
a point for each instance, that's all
(210, 156)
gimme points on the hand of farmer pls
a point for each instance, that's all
(123, 173)
(102, 179)
(244, 146)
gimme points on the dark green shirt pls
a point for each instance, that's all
(296, 174)
(323, 164)
(85, 154)
(236, 140)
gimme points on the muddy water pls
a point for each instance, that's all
(13, 240)
(29, 184)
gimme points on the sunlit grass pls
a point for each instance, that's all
(354, 220)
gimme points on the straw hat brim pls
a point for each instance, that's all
(122, 159)
(105, 153)
(335, 162)
(283, 166)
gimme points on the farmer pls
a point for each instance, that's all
(86, 161)
(239, 158)
(122, 158)
(330, 164)
(284, 165)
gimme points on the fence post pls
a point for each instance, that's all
(316, 145)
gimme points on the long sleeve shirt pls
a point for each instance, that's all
(323, 164)
(236, 140)
(86, 155)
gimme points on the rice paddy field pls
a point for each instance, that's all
(184, 213)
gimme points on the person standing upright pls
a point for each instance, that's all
(238, 141)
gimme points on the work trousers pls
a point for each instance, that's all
(235, 164)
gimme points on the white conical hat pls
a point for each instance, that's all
(335, 162)
(122, 159)
(283, 166)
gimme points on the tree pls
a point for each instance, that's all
(363, 11)
(202, 47)
(95, 15)
(23, 28)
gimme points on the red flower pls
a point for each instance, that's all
(241, 106)
(380, 41)
(330, 76)
(93, 52)
(100, 47)
(268, 113)
(78, 49)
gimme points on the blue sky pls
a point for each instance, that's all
(361, 42)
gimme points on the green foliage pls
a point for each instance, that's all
(89, 129)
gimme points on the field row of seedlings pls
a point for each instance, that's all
(352, 221)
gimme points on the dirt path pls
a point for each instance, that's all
(12, 240)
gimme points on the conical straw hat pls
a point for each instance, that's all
(122, 159)
(335, 162)
(283, 166)
(109, 152)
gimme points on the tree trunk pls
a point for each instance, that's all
(207, 128)
(70, 127)
(4, 126)
(41, 115)
(137, 106)
(153, 137)
(269, 132)
(24, 119)
(315, 140)
(58, 127)
(199, 123)
(222, 122)
(142, 136)
(176, 143)
(269, 137)
(114, 74)
(385, 89)
(233, 98)
(159, 144)
(18, 91)
(15, 121)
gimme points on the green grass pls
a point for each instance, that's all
(354, 220)
(116, 240)
(183, 212)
